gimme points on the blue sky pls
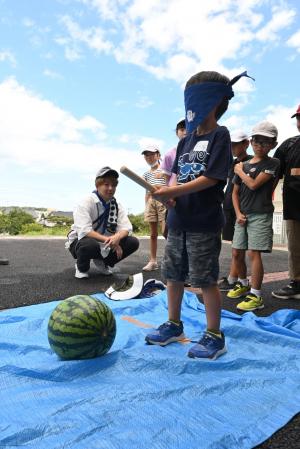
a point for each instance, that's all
(87, 83)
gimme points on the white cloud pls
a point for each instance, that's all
(281, 117)
(144, 102)
(294, 41)
(28, 23)
(42, 138)
(173, 39)
(7, 55)
(280, 19)
(52, 74)
(92, 37)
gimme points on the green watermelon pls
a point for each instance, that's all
(81, 327)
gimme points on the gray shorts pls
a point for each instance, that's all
(257, 234)
(194, 255)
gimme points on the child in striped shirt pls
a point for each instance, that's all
(154, 210)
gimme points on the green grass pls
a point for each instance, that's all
(56, 231)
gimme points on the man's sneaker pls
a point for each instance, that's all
(80, 274)
(291, 291)
(102, 268)
(208, 347)
(4, 261)
(166, 333)
(238, 290)
(224, 285)
(251, 302)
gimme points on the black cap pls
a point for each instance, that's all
(297, 112)
(106, 171)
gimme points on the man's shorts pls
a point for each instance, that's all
(194, 255)
(155, 211)
(257, 234)
(228, 229)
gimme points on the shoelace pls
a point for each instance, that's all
(206, 337)
(238, 285)
(164, 325)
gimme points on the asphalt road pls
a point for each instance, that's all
(41, 270)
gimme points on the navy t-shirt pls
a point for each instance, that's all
(208, 155)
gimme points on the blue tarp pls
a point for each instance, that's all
(147, 396)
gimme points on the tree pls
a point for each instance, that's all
(15, 219)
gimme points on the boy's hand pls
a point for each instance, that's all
(238, 168)
(171, 203)
(162, 194)
(241, 219)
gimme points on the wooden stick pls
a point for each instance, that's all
(137, 179)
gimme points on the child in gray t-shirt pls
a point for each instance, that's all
(254, 183)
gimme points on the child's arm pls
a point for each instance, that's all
(196, 185)
(252, 184)
(240, 217)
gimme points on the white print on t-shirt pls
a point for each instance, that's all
(270, 172)
(201, 146)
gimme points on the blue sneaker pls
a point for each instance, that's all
(166, 333)
(208, 347)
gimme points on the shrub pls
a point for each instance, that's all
(138, 224)
(32, 228)
(14, 221)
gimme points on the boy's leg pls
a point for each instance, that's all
(257, 269)
(213, 303)
(175, 293)
(260, 235)
(203, 255)
(241, 287)
(175, 270)
(172, 330)
(239, 262)
(239, 247)
(253, 300)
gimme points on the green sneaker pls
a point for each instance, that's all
(238, 290)
(250, 303)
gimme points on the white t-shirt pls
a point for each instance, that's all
(87, 211)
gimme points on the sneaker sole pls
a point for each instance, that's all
(251, 310)
(296, 296)
(164, 343)
(215, 356)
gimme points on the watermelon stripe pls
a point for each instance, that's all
(81, 327)
(60, 324)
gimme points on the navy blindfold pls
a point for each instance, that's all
(200, 99)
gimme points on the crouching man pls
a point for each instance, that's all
(101, 229)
